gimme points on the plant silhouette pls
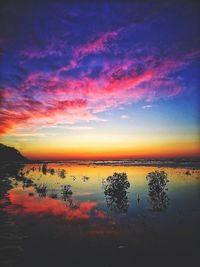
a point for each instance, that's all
(44, 168)
(62, 173)
(66, 192)
(85, 178)
(115, 190)
(157, 190)
(52, 171)
(41, 190)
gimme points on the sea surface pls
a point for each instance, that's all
(99, 214)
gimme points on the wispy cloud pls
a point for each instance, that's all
(28, 135)
(75, 99)
(73, 73)
(124, 117)
(147, 106)
(73, 128)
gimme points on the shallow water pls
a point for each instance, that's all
(74, 214)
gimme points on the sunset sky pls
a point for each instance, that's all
(100, 81)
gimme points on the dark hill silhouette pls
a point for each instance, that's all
(10, 154)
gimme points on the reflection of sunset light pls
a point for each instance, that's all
(105, 230)
(22, 204)
(136, 175)
(100, 214)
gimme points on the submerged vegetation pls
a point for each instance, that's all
(66, 192)
(157, 182)
(85, 178)
(44, 168)
(62, 173)
(41, 190)
(81, 207)
(115, 190)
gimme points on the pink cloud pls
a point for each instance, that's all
(100, 44)
(54, 47)
(96, 46)
(93, 46)
(22, 204)
(48, 98)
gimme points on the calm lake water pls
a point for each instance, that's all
(86, 215)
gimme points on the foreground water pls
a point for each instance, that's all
(91, 215)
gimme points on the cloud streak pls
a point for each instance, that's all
(47, 98)
(73, 77)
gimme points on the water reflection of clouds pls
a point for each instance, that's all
(92, 222)
(91, 189)
(23, 204)
(95, 217)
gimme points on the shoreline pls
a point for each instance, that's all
(182, 163)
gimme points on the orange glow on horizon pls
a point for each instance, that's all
(114, 155)
(109, 146)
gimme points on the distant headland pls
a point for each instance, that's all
(10, 154)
